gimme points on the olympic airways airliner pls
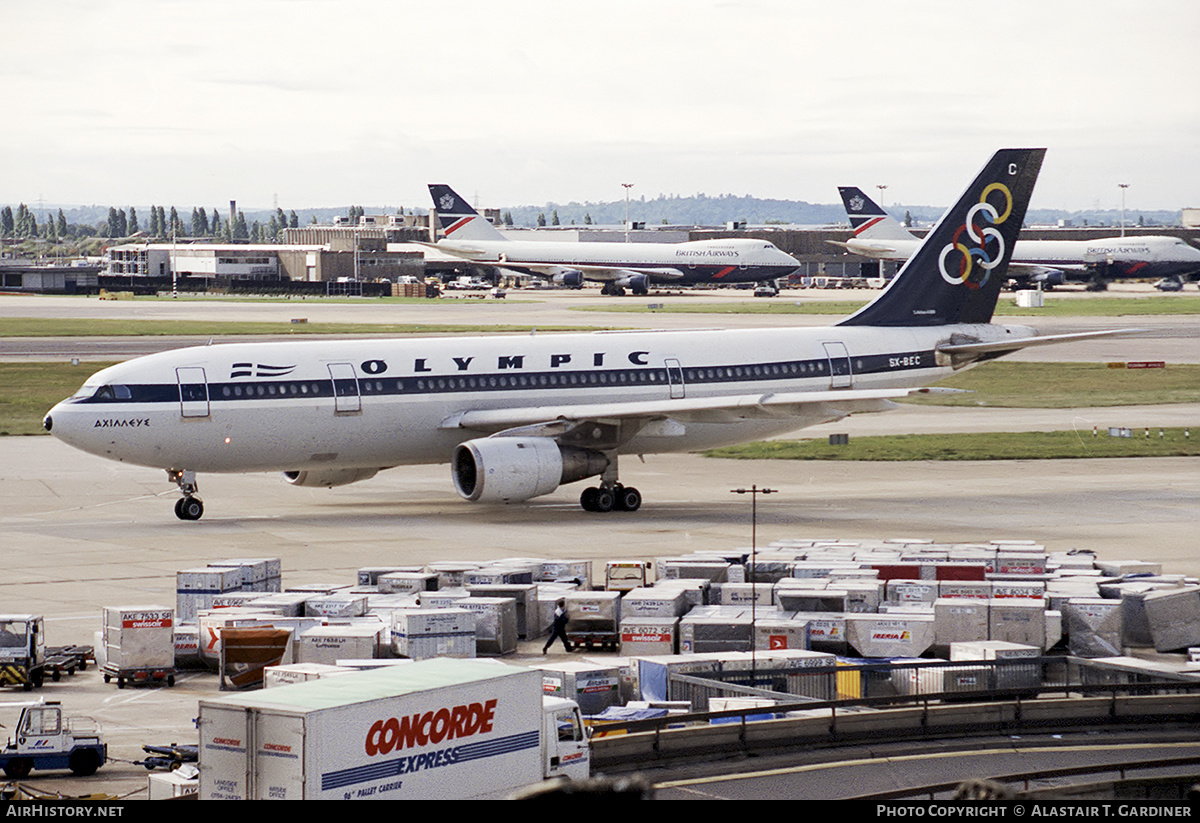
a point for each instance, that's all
(518, 416)
(880, 236)
(619, 266)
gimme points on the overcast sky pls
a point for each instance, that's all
(320, 103)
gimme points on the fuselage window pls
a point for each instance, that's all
(225, 391)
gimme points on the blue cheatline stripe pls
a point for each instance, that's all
(395, 767)
(493, 748)
(586, 379)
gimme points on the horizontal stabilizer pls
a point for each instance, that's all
(1003, 346)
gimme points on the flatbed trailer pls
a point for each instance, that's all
(67, 659)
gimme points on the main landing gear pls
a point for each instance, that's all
(610, 496)
(615, 498)
(188, 507)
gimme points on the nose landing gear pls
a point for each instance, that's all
(188, 507)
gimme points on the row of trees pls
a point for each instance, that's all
(160, 224)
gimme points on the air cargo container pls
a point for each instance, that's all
(432, 730)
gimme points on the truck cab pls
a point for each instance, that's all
(22, 650)
(565, 748)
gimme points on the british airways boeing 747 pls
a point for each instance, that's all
(636, 266)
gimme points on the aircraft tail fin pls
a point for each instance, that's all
(956, 274)
(868, 219)
(456, 218)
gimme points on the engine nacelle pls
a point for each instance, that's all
(329, 477)
(636, 283)
(512, 469)
(571, 278)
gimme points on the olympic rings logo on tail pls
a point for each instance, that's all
(983, 245)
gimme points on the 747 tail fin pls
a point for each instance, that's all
(457, 219)
(868, 219)
(956, 274)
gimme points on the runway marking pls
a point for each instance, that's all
(866, 761)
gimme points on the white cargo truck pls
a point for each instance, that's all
(430, 730)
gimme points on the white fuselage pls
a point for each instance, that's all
(736, 260)
(1155, 256)
(384, 402)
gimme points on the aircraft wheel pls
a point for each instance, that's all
(189, 508)
(629, 499)
(587, 500)
(605, 500)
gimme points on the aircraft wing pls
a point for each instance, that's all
(808, 408)
(598, 273)
(463, 250)
(873, 249)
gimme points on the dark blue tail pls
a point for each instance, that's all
(456, 218)
(956, 274)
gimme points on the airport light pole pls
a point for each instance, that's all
(754, 491)
(882, 263)
(627, 186)
(1123, 186)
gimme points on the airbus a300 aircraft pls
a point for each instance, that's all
(619, 266)
(880, 236)
(518, 416)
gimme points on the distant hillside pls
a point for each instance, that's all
(702, 210)
(694, 210)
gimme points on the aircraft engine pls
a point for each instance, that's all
(329, 477)
(512, 469)
(571, 278)
(636, 283)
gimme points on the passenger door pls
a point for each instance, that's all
(193, 391)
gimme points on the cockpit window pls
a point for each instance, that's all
(111, 392)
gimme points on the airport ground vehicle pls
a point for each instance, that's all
(434, 729)
(625, 575)
(22, 651)
(169, 757)
(594, 619)
(67, 659)
(44, 740)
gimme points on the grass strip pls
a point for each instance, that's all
(1061, 445)
(104, 327)
(795, 303)
(1067, 385)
